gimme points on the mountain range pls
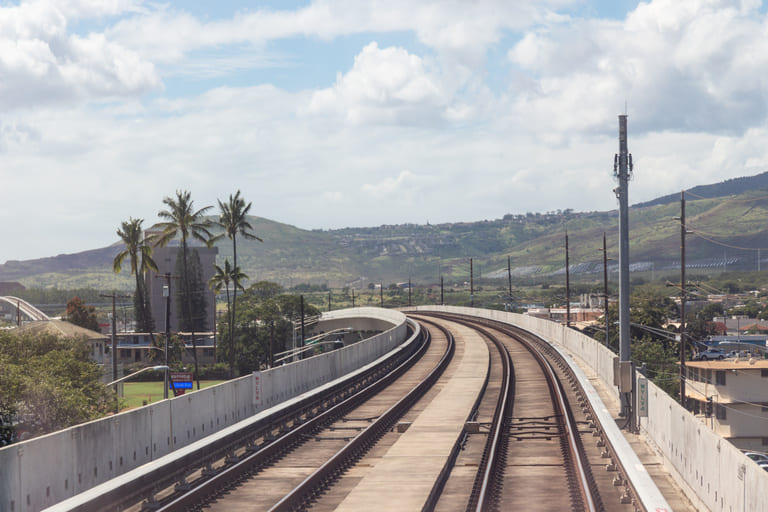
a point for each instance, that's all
(728, 221)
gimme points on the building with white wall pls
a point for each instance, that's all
(738, 392)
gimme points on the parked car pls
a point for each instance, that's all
(709, 354)
(758, 457)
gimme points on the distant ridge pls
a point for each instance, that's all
(732, 215)
(724, 188)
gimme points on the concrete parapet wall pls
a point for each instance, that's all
(41, 472)
(594, 355)
(713, 473)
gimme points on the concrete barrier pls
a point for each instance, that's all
(41, 472)
(712, 472)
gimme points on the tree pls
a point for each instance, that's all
(48, 383)
(139, 250)
(222, 279)
(82, 315)
(182, 219)
(194, 318)
(233, 220)
(264, 314)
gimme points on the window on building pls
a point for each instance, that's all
(720, 377)
(764, 372)
(765, 441)
(707, 377)
(720, 412)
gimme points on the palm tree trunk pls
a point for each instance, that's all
(140, 308)
(231, 342)
(189, 306)
(232, 319)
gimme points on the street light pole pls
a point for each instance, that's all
(605, 287)
(167, 295)
(567, 285)
(682, 298)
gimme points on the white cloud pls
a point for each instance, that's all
(390, 186)
(458, 30)
(42, 63)
(386, 85)
(691, 66)
(406, 133)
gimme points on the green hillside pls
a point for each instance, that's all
(728, 231)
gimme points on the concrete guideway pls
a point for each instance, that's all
(28, 309)
(66, 465)
(403, 477)
(691, 466)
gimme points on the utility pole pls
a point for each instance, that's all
(509, 275)
(329, 300)
(271, 341)
(381, 293)
(622, 169)
(605, 288)
(567, 285)
(683, 232)
(442, 299)
(301, 306)
(114, 296)
(471, 284)
(353, 297)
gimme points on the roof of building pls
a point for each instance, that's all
(59, 328)
(729, 364)
(754, 327)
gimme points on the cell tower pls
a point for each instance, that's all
(622, 171)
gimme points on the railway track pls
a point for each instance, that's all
(528, 440)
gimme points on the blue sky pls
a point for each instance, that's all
(336, 113)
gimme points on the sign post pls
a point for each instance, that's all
(181, 381)
(642, 397)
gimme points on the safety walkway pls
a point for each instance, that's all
(652, 462)
(402, 478)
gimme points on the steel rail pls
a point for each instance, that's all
(241, 469)
(488, 469)
(585, 482)
(498, 427)
(445, 472)
(326, 474)
(584, 479)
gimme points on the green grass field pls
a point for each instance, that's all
(135, 393)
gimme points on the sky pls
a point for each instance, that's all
(339, 113)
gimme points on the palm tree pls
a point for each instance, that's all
(233, 220)
(139, 250)
(181, 219)
(222, 279)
